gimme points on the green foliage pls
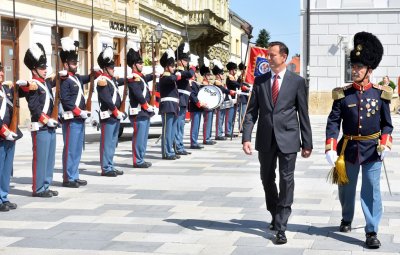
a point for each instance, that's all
(147, 62)
(263, 38)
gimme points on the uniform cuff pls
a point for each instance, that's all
(198, 104)
(76, 111)
(115, 112)
(4, 130)
(330, 144)
(386, 139)
(44, 118)
(145, 106)
(244, 88)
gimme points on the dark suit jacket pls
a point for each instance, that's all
(286, 120)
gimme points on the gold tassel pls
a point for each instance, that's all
(338, 175)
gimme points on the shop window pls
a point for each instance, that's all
(54, 53)
(83, 55)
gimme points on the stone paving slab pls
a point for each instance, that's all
(209, 202)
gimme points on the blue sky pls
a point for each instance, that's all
(280, 18)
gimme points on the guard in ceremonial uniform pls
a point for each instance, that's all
(110, 116)
(74, 113)
(169, 104)
(218, 71)
(43, 127)
(243, 97)
(140, 111)
(183, 56)
(195, 108)
(362, 109)
(207, 114)
(232, 85)
(7, 142)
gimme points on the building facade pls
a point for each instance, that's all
(332, 25)
(240, 34)
(204, 24)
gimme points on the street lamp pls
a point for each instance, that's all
(158, 32)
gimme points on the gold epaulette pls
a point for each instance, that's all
(135, 77)
(231, 77)
(33, 86)
(166, 74)
(218, 83)
(338, 93)
(101, 82)
(387, 91)
(180, 68)
(8, 83)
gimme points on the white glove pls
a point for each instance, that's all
(178, 74)
(97, 69)
(22, 83)
(251, 88)
(84, 114)
(384, 150)
(331, 157)
(238, 92)
(52, 123)
(11, 136)
(63, 73)
(150, 109)
(120, 115)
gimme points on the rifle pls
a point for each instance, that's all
(154, 87)
(122, 106)
(54, 113)
(15, 116)
(91, 86)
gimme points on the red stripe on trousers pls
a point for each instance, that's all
(191, 127)
(205, 127)
(134, 141)
(216, 123)
(103, 125)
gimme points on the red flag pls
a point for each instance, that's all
(254, 53)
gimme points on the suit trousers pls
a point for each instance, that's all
(73, 136)
(278, 204)
(141, 127)
(194, 128)
(7, 150)
(108, 143)
(44, 158)
(207, 125)
(180, 128)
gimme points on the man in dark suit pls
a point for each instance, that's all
(279, 101)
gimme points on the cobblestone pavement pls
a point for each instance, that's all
(210, 202)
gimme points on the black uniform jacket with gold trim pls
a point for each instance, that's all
(169, 89)
(361, 111)
(136, 86)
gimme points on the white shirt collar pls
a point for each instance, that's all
(280, 74)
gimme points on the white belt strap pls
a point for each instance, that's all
(80, 93)
(182, 91)
(136, 110)
(49, 96)
(171, 99)
(4, 103)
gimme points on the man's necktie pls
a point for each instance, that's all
(275, 89)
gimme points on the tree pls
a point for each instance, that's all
(263, 38)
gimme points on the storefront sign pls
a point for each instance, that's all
(114, 25)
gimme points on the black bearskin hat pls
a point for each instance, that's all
(242, 66)
(205, 68)
(218, 68)
(183, 52)
(69, 50)
(106, 58)
(133, 55)
(231, 66)
(168, 58)
(368, 50)
(35, 57)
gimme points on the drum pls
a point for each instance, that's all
(211, 95)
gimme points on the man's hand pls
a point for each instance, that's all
(247, 148)
(305, 153)
(52, 123)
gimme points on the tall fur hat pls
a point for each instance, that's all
(69, 50)
(106, 58)
(205, 68)
(218, 67)
(241, 66)
(168, 58)
(368, 50)
(231, 65)
(133, 55)
(35, 57)
(183, 52)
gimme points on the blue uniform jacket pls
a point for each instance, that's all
(36, 101)
(69, 90)
(168, 88)
(9, 93)
(136, 88)
(194, 104)
(105, 95)
(184, 84)
(360, 112)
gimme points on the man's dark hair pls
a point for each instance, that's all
(283, 49)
